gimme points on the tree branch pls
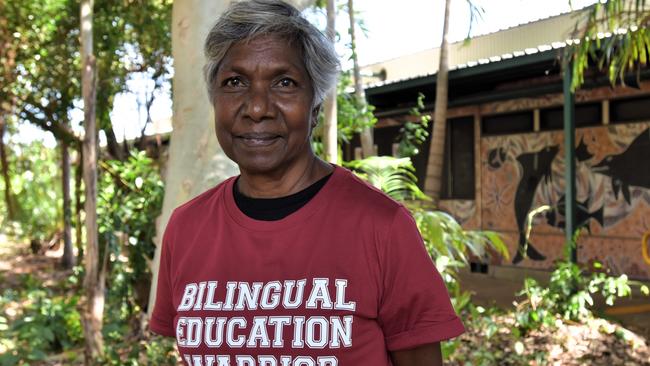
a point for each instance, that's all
(60, 132)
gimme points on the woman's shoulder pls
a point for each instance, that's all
(363, 195)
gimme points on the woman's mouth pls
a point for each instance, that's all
(258, 139)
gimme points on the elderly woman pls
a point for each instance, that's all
(295, 262)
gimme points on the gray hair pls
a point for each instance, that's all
(246, 20)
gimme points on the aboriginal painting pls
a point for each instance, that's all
(523, 172)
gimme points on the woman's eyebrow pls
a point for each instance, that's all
(275, 67)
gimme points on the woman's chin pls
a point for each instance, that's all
(259, 165)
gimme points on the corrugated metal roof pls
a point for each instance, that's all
(526, 39)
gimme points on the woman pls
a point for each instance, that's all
(296, 261)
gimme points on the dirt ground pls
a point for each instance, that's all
(17, 260)
(614, 338)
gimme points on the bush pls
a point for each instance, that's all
(36, 185)
(158, 351)
(569, 295)
(47, 323)
(129, 201)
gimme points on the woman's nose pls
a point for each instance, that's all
(259, 105)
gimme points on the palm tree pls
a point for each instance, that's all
(433, 181)
(615, 35)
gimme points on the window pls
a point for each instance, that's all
(503, 124)
(630, 109)
(585, 115)
(384, 138)
(458, 180)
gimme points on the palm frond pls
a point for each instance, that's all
(394, 176)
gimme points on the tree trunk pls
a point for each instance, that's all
(93, 280)
(78, 206)
(8, 54)
(9, 199)
(330, 134)
(367, 140)
(196, 161)
(68, 259)
(433, 181)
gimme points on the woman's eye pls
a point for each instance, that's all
(234, 82)
(286, 82)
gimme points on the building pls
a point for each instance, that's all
(505, 153)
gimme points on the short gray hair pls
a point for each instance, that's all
(246, 20)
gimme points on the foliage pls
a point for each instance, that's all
(35, 183)
(395, 177)
(444, 237)
(45, 80)
(159, 351)
(131, 37)
(493, 341)
(42, 85)
(616, 36)
(129, 200)
(48, 323)
(352, 117)
(568, 295)
(414, 134)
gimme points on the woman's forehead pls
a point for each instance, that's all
(266, 51)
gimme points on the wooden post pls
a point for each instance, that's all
(569, 160)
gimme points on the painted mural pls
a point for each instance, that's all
(523, 172)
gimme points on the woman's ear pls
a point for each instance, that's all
(314, 115)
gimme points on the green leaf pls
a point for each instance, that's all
(645, 290)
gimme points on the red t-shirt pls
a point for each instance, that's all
(342, 281)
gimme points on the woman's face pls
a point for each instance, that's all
(263, 107)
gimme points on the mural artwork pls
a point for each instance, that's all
(630, 168)
(522, 172)
(535, 168)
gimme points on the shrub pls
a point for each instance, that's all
(47, 323)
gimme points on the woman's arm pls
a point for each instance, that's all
(427, 355)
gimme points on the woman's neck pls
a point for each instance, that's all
(292, 180)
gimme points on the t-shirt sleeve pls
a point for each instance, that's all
(415, 308)
(162, 317)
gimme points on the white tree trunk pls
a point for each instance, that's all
(367, 139)
(330, 133)
(94, 286)
(196, 161)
